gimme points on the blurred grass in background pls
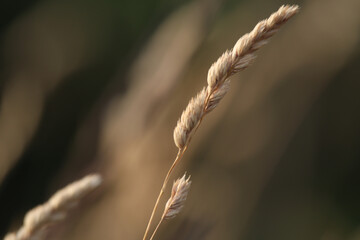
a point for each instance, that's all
(98, 86)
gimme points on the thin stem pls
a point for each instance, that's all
(177, 159)
(157, 227)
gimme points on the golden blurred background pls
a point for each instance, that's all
(97, 86)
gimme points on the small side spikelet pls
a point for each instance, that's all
(177, 199)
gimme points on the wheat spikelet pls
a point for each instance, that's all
(55, 209)
(189, 118)
(231, 62)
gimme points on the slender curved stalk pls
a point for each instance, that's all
(179, 156)
(157, 227)
(177, 159)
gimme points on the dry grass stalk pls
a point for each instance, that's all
(176, 201)
(55, 209)
(231, 62)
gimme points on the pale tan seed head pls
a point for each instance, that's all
(232, 61)
(241, 56)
